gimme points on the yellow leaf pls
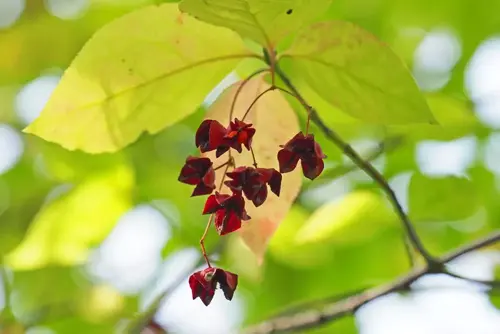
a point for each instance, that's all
(67, 227)
(275, 123)
(142, 72)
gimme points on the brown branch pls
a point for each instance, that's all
(492, 284)
(364, 165)
(347, 306)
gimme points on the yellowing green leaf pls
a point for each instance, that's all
(67, 227)
(275, 122)
(350, 267)
(353, 219)
(455, 117)
(265, 22)
(354, 71)
(142, 72)
(442, 198)
(284, 247)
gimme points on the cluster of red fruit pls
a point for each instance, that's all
(249, 182)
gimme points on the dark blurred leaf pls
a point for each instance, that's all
(75, 325)
(486, 183)
(22, 194)
(48, 293)
(75, 166)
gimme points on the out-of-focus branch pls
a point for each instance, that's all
(362, 164)
(332, 311)
(348, 305)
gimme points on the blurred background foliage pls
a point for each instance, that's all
(87, 241)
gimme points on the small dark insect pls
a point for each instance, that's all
(290, 11)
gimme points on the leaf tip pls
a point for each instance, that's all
(27, 130)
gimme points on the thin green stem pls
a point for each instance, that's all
(224, 164)
(202, 241)
(253, 157)
(240, 88)
(255, 101)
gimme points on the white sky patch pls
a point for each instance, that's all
(492, 153)
(488, 110)
(482, 76)
(446, 158)
(11, 147)
(10, 12)
(173, 269)
(435, 58)
(67, 9)
(32, 98)
(131, 255)
(438, 305)
(482, 81)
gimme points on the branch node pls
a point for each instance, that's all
(435, 266)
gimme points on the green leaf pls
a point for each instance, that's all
(266, 22)
(282, 245)
(75, 325)
(285, 285)
(142, 72)
(22, 193)
(304, 241)
(442, 198)
(73, 166)
(355, 218)
(66, 228)
(354, 71)
(455, 117)
(48, 292)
